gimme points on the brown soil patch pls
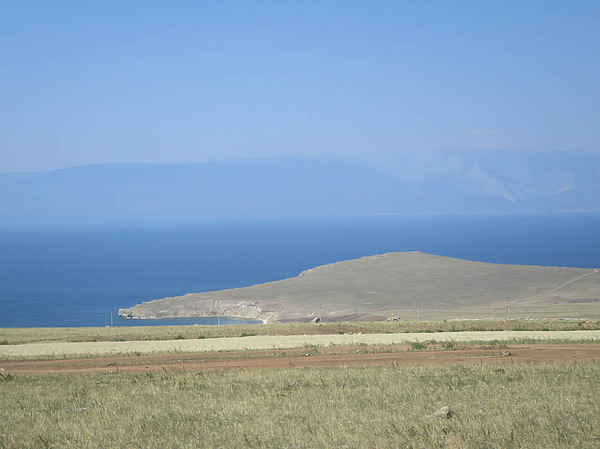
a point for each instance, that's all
(272, 359)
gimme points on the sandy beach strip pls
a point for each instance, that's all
(276, 342)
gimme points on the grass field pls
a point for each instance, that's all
(30, 335)
(495, 404)
(549, 405)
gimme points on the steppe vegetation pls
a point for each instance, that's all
(550, 405)
(499, 403)
(136, 333)
(396, 284)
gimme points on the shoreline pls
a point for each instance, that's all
(235, 317)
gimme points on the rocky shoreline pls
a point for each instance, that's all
(201, 308)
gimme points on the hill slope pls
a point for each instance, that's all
(394, 284)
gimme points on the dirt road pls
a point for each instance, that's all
(271, 359)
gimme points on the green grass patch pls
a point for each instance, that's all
(418, 346)
(449, 345)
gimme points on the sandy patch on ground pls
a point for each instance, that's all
(275, 342)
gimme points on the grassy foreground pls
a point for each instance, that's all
(31, 335)
(552, 405)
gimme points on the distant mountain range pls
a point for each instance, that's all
(446, 182)
(508, 181)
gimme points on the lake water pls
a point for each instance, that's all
(77, 277)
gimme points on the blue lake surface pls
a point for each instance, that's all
(77, 277)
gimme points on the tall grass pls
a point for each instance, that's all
(550, 405)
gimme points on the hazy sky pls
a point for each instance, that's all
(183, 81)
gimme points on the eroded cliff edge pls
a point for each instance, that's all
(194, 305)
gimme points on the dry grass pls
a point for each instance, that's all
(394, 284)
(30, 335)
(552, 405)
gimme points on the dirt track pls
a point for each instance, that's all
(348, 356)
(294, 351)
(273, 342)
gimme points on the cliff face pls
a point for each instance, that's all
(191, 306)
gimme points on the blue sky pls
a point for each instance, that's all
(179, 81)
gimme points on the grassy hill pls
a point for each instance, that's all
(397, 284)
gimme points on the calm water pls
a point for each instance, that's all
(76, 277)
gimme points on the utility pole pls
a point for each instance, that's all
(509, 311)
(320, 319)
(418, 312)
(111, 319)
